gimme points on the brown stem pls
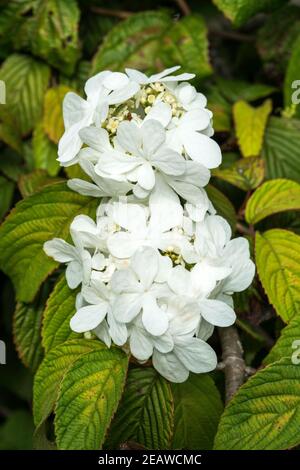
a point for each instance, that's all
(236, 36)
(108, 12)
(232, 358)
(184, 7)
(245, 230)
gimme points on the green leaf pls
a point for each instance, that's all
(16, 433)
(239, 11)
(31, 183)
(281, 149)
(277, 254)
(27, 333)
(235, 90)
(15, 23)
(44, 151)
(59, 310)
(221, 109)
(292, 81)
(53, 118)
(89, 396)
(198, 408)
(265, 412)
(245, 174)
(186, 44)
(51, 372)
(36, 219)
(11, 164)
(55, 33)
(26, 81)
(273, 196)
(276, 37)
(250, 124)
(145, 414)
(222, 205)
(7, 191)
(288, 344)
(134, 43)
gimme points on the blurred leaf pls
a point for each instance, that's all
(276, 37)
(44, 151)
(9, 135)
(11, 164)
(292, 80)
(16, 433)
(51, 372)
(36, 219)
(31, 183)
(277, 255)
(27, 333)
(55, 33)
(186, 43)
(222, 205)
(88, 398)
(59, 310)
(272, 197)
(133, 43)
(250, 124)
(26, 81)
(93, 28)
(221, 109)
(245, 174)
(235, 90)
(265, 412)
(239, 11)
(281, 149)
(145, 414)
(7, 191)
(14, 22)
(53, 118)
(198, 408)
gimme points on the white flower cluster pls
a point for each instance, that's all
(157, 268)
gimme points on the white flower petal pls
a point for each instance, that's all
(146, 176)
(141, 346)
(161, 112)
(196, 355)
(145, 265)
(60, 250)
(74, 274)
(202, 149)
(89, 317)
(129, 137)
(216, 312)
(154, 318)
(126, 307)
(170, 367)
(153, 136)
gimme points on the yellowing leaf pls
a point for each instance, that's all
(273, 196)
(277, 254)
(245, 174)
(53, 118)
(250, 124)
(89, 396)
(265, 412)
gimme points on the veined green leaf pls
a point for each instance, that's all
(288, 344)
(59, 310)
(186, 43)
(26, 81)
(55, 33)
(250, 124)
(264, 414)
(273, 196)
(292, 81)
(89, 396)
(133, 43)
(44, 152)
(51, 372)
(198, 408)
(281, 149)
(36, 219)
(277, 255)
(33, 182)
(145, 414)
(7, 191)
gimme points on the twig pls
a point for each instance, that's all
(108, 12)
(184, 7)
(235, 36)
(245, 230)
(232, 357)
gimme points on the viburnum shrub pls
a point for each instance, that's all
(157, 267)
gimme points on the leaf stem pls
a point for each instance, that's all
(122, 14)
(184, 7)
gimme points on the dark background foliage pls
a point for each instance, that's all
(249, 52)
